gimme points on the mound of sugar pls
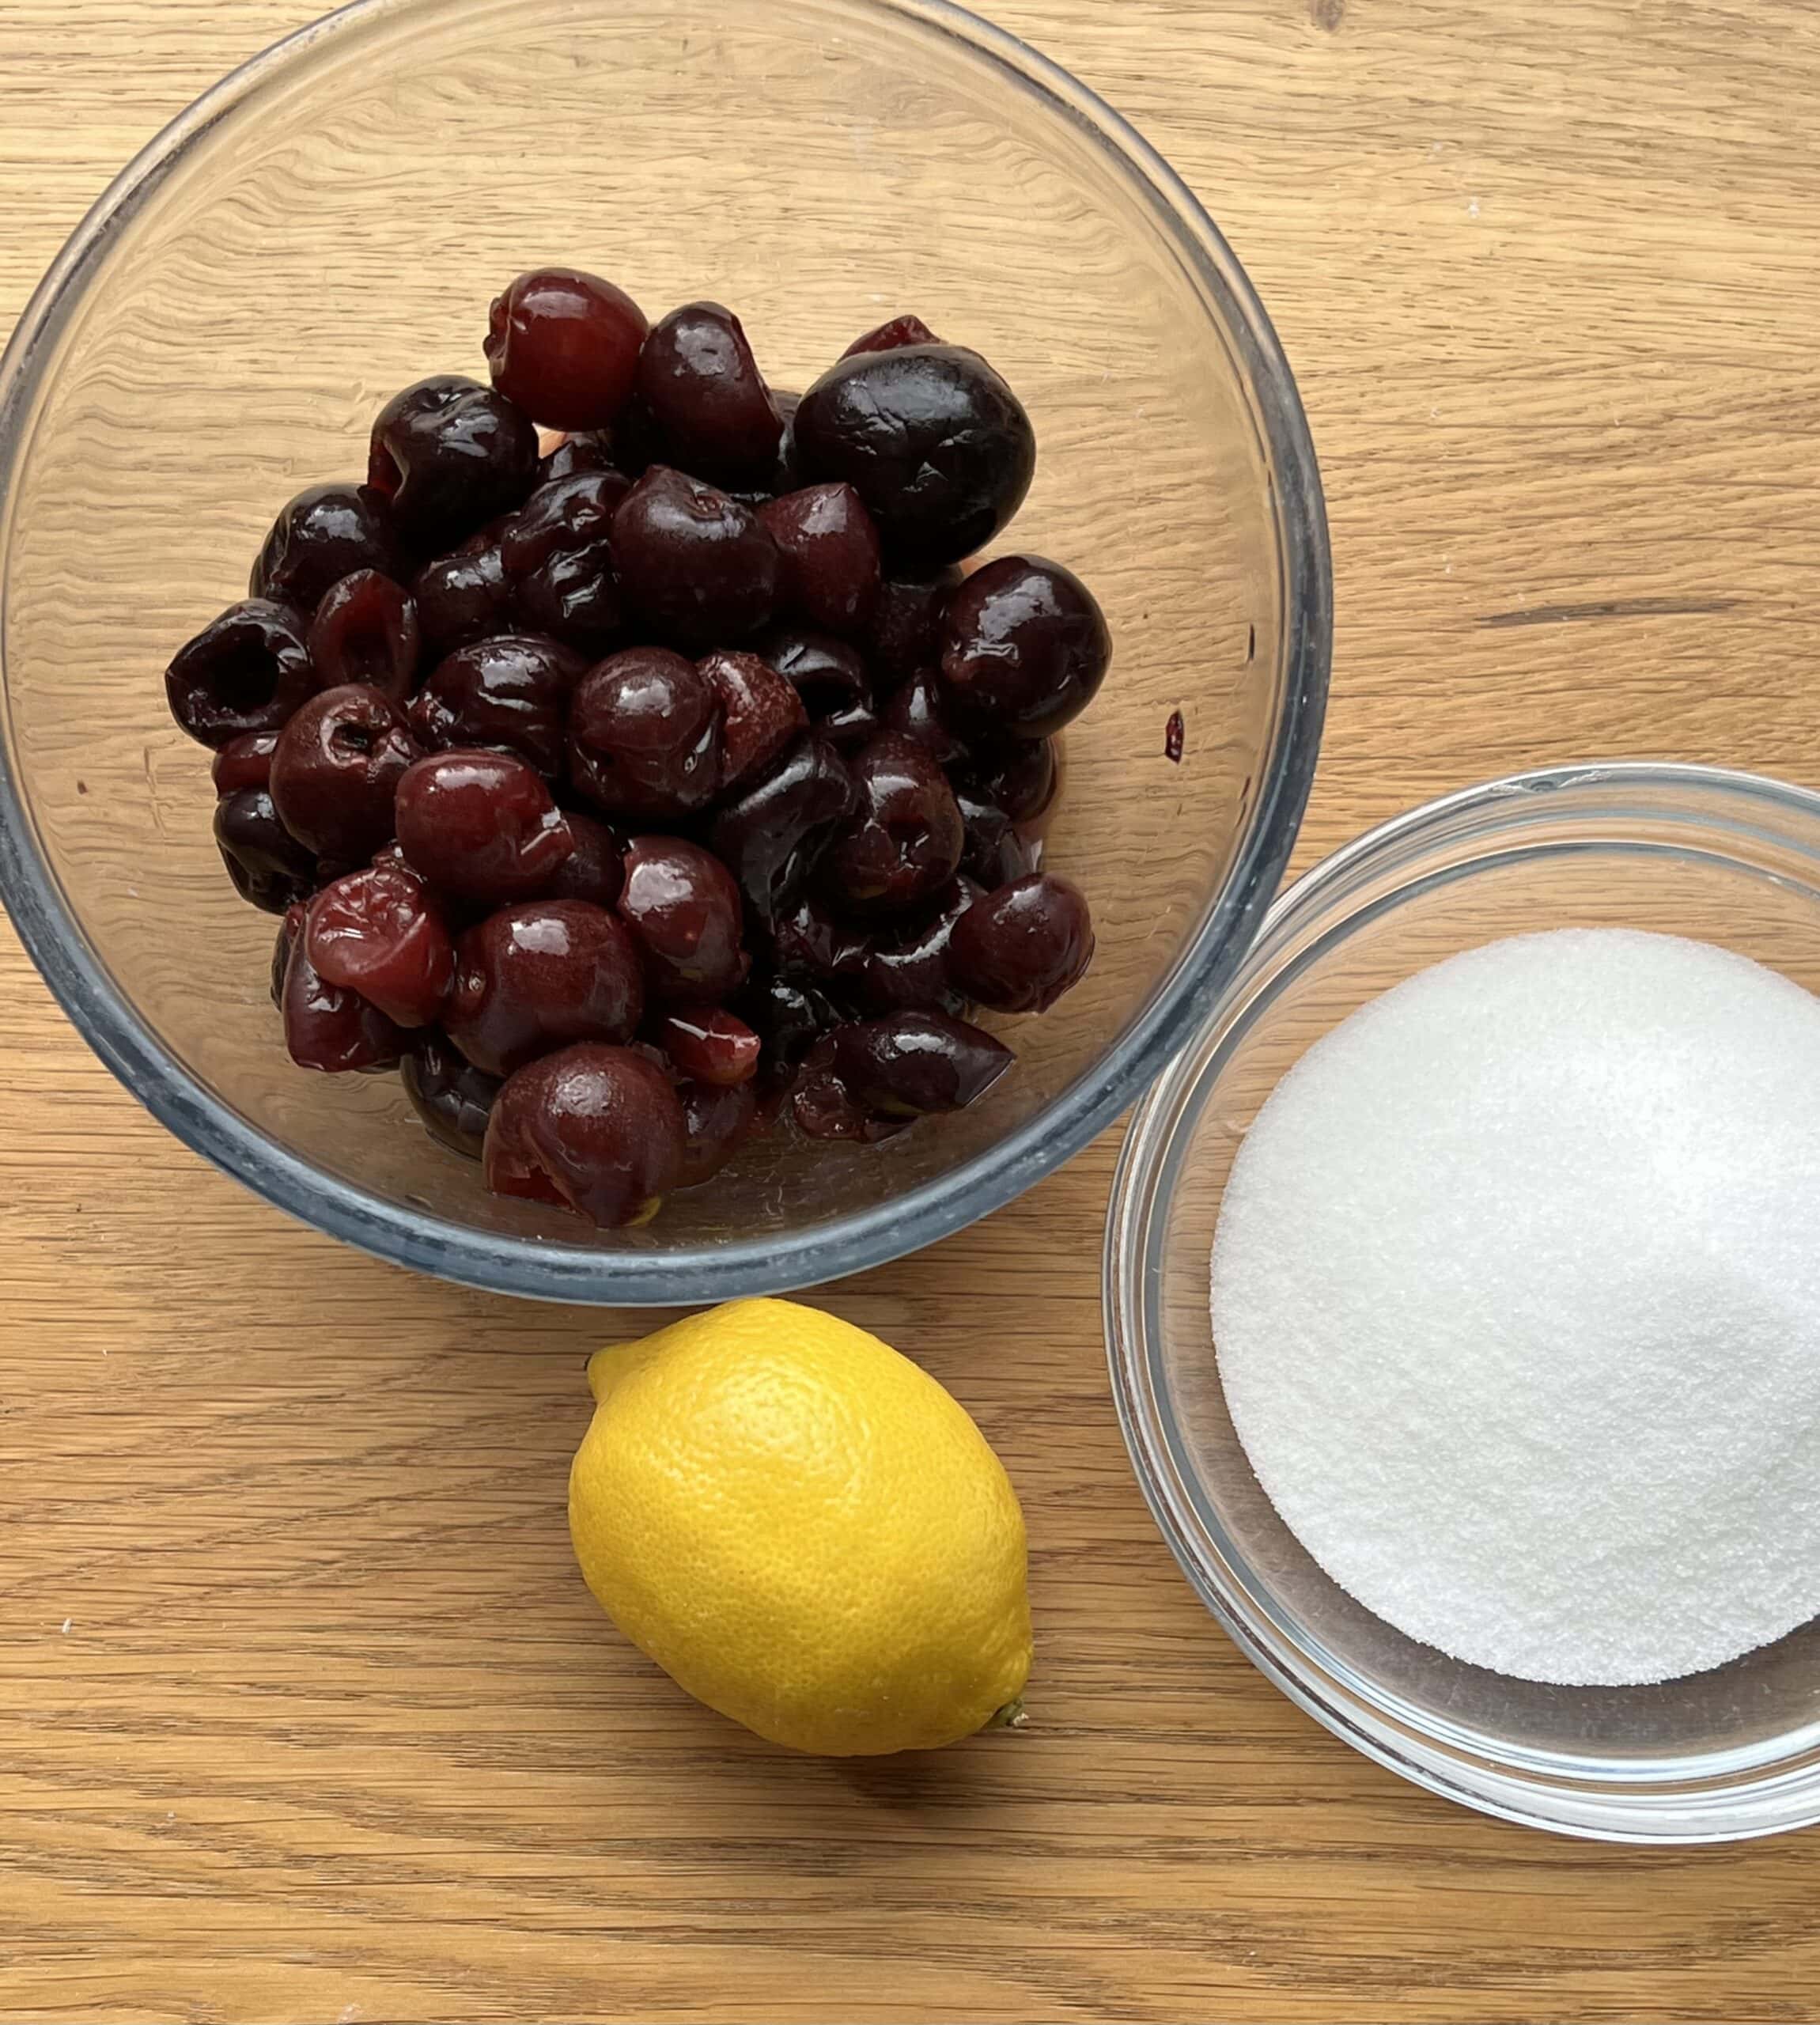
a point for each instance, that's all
(1516, 1299)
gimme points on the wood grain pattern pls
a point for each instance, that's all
(303, 1712)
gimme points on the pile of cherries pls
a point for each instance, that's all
(635, 784)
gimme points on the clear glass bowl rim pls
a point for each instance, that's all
(767, 1264)
(1768, 1789)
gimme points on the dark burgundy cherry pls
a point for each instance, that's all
(997, 851)
(1024, 648)
(790, 1015)
(825, 1108)
(247, 670)
(644, 735)
(694, 562)
(566, 515)
(905, 633)
(1023, 778)
(596, 869)
(716, 1122)
(698, 378)
(558, 550)
(245, 762)
(480, 825)
(901, 331)
(917, 710)
(829, 567)
(268, 864)
(587, 450)
(290, 930)
(761, 712)
(540, 975)
(326, 533)
(710, 1045)
(329, 1027)
(917, 1063)
(336, 769)
(772, 837)
(593, 1128)
(509, 694)
(463, 596)
(807, 940)
(452, 1097)
(451, 455)
(830, 677)
(378, 932)
(563, 345)
(682, 905)
(906, 836)
(366, 629)
(1018, 949)
(912, 971)
(930, 437)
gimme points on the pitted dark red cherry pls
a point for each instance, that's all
(595, 1129)
(670, 784)
(563, 345)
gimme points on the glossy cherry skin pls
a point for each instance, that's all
(330, 1028)
(540, 975)
(587, 450)
(932, 439)
(336, 768)
(693, 562)
(905, 636)
(823, 1107)
(245, 762)
(701, 385)
(463, 596)
(831, 677)
(557, 550)
(709, 1044)
(1018, 949)
(809, 941)
(906, 837)
(901, 331)
(1024, 648)
(452, 1097)
(378, 932)
(451, 455)
(912, 971)
(326, 533)
(290, 932)
(790, 1015)
(761, 712)
(1022, 778)
(917, 1063)
(644, 735)
(829, 567)
(682, 907)
(269, 867)
(918, 710)
(596, 1130)
(595, 870)
(997, 851)
(247, 670)
(366, 629)
(772, 836)
(563, 346)
(509, 694)
(717, 1119)
(480, 825)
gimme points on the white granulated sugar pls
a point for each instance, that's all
(1516, 1298)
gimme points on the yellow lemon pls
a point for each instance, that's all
(805, 1530)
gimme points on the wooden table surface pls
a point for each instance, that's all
(303, 1713)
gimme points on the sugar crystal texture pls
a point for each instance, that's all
(1516, 1299)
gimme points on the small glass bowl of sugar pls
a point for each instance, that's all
(1680, 1317)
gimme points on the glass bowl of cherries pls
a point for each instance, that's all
(759, 750)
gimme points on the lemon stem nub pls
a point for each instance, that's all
(1013, 1715)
